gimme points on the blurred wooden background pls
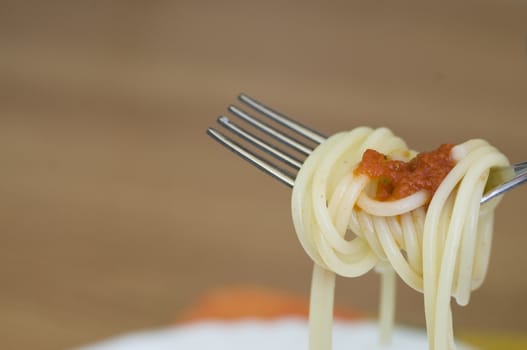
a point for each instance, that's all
(117, 210)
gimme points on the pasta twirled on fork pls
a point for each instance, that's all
(437, 243)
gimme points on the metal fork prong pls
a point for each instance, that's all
(297, 145)
(259, 162)
(520, 167)
(505, 187)
(286, 121)
(275, 152)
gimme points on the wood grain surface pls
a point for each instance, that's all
(117, 210)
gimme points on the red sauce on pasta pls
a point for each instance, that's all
(398, 179)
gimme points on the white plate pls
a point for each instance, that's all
(287, 334)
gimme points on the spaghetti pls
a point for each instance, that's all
(438, 245)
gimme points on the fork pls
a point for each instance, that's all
(500, 180)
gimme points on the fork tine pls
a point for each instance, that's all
(259, 162)
(286, 121)
(520, 167)
(280, 155)
(504, 187)
(269, 130)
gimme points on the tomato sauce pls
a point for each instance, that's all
(398, 179)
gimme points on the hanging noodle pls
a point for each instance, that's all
(439, 246)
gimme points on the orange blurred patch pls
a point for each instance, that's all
(234, 303)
